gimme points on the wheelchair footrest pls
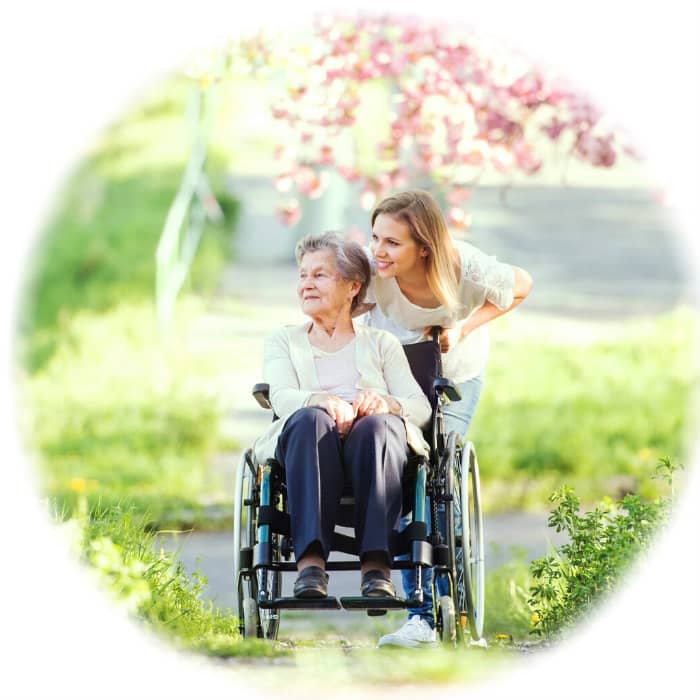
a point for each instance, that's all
(327, 603)
(362, 603)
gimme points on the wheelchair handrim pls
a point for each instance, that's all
(471, 560)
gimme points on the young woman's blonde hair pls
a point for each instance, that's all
(419, 210)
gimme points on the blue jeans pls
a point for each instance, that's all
(457, 415)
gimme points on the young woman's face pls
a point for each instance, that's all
(321, 289)
(393, 248)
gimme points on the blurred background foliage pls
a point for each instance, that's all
(110, 400)
(97, 249)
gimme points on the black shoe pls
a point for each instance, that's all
(376, 585)
(312, 582)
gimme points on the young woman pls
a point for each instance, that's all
(424, 278)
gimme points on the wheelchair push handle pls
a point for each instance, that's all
(261, 392)
(441, 385)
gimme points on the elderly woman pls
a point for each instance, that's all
(349, 408)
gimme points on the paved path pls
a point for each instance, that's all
(506, 535)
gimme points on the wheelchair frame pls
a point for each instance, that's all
(449, 477)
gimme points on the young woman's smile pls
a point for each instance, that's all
(394, 250)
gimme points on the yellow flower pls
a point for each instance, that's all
(644, 453)
(77, 484)
(80, 485)
(502, 636)
(534, 618)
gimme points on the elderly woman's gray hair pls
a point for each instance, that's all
(350, 259)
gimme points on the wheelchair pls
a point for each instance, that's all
(448, 476)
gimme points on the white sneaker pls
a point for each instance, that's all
(415, 633)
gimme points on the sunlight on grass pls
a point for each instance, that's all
(320, 667)
(595, 405)
(119, 405)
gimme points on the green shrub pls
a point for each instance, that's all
(602, 544)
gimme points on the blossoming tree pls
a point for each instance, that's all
(447, 109)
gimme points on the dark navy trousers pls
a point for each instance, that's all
(318, 462)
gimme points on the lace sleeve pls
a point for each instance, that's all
(496, 278)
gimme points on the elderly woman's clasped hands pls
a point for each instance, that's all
(366, 403)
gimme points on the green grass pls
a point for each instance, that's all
(107, 401)
(507, 613)
(140, 418)
(152, 584)
(595, 406)
(134, 417)
(154, 587)
(326, 653)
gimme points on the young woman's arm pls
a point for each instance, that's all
(521, 288)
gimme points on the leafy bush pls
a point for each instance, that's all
(603, 543)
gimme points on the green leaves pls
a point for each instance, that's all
(603, 542)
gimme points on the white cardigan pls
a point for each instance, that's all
(289, 369)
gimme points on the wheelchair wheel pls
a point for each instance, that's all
(243, 538)
(447, 621)
(252, 621)
(269, 620)
(470, 549)
(451, 632)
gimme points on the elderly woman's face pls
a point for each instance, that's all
(321, 289)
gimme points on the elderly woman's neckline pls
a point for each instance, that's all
(330, 339)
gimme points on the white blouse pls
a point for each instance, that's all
(482, 278)
(337, 371)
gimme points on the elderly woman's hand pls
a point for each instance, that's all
(340, 411)
(368, 402)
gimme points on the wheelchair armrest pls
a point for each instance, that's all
(447, 387)
(261, 392)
